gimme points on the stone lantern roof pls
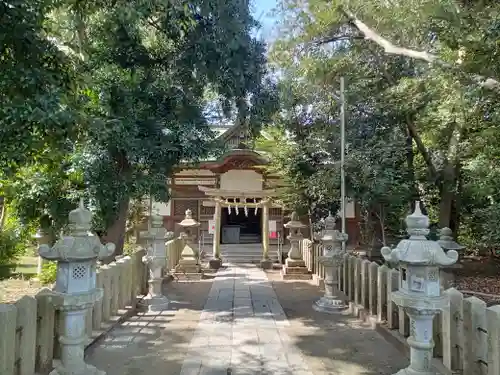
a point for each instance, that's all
(294, 222)
(188, 220)
(446, 240)
(330, 222)
(156, 220)
(80, 220)
(417, 249)
(330, 233)
(80, 244)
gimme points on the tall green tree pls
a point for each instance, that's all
(115, 93)
(422, 87)
(37, 82)
(147, 66)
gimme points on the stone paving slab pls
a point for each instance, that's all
(154, 343)
(244, 321)
(241, 329)
(333, 343)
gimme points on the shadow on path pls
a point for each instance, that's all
(158, 343)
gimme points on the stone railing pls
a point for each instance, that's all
(29, 327)
(174, 250)
(467, 334)
(311, 253)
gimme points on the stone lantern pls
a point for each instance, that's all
(75, 290)
(419, 293)
(156, 259)
(295, 267)
(188, 264)
(447, 242)
(332, 258)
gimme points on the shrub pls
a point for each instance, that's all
(49, 273)
(129, 248)
(10, 249)
(15, 238)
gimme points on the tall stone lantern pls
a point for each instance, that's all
(331, 259)
(419, 293)
(75, 291)
(156, 259)
(295, 267)
(188, 264)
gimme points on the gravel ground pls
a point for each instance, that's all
(333, 344)
(13, 289)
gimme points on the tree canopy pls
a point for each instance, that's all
(422, 109)
(102, 99)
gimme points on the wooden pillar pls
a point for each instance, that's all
(216, 236)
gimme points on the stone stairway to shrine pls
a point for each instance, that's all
(246, 253)
(249, 238)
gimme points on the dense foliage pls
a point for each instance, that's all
(101, 99)
(422, 100)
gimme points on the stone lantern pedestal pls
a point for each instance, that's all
(75, 291)
(332, 258)
(295, 267)
(419, 294)
(156, 259)
(188, 267)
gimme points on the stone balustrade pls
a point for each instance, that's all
(29, 327)
(466, 334)
(174, 250)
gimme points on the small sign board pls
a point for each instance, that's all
(272, 226)
(273, 235)
(211, 226)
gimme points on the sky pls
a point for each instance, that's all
(262, 12)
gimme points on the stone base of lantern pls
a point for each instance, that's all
(86, 370)
(188, 276)
(266, 264)
(330, 305)
(154, 303)
(409, 371)
(188, 269)
(295, 269)
(188, 266)
(215, 263)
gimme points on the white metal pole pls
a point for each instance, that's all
(342, 154)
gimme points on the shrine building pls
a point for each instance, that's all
(235, 201)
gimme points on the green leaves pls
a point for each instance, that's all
(36, 78)
(102, 99)
(413, 129)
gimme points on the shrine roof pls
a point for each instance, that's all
(233, 193)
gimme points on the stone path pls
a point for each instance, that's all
(241, 330)
(244, 321)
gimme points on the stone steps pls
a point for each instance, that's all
(245, 253)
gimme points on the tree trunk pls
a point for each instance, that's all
(115, 233)
(447, 196)
(3, 212)
(378, 236)
(311, 230)
(410, 157)
(455, 218)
